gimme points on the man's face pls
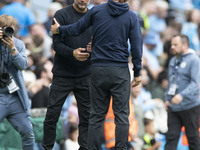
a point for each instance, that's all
(176, 46)
(81, 4)
(150, 46)
(48, 66)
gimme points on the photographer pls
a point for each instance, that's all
(14, 102)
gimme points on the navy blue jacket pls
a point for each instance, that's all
(186, 77)
(112, 25)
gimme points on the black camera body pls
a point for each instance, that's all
(5, 80)
(8, 31)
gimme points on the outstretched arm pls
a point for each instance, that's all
(59, 44)
(75, 28)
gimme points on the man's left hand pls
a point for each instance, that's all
(80, 55)
(176, 99)
(54, 28)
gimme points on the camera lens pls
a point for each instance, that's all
(8, 31)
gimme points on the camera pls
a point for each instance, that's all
(8, 31)
(5, 80)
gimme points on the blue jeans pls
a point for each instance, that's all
(20, 120)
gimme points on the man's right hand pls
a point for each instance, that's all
(54, 28)
(80, 55)
(136, 81)
(166, 105)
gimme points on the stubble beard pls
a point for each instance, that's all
(82, 8)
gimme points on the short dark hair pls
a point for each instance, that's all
(39, 69)
(147, 121)
(72, 129)
(162, 75)
(184, 38)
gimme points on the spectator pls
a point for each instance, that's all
(64, 3)
(150, 142)
(150, 57)
(181, 4)
(29, 75)
(109, 127)
(39, 90)
(148, 8)
(182, 94)
(4, 2)
(151, 106)
(171, 30)
(144, 99)
(73, 113)
(157, 20)
(95, 2)
(139, 113)
(41, 40)
(72, 142)
(196, 4)
(40, 9)
(159, 87)
(190, 28)
(134, 5)
(22, 14)
(51, 12)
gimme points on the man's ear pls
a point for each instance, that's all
(185, 46)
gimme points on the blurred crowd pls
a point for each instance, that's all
(161, 20)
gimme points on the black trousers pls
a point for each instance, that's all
(60, 89)
(189, 119)
(107, 82)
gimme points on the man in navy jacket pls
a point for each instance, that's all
(112, 24)
(182, 96)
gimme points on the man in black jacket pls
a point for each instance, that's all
(71, 72)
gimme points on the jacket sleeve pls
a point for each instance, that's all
(136, 42)
(20, 59)
(77, 27)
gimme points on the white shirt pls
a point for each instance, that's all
(71, 145)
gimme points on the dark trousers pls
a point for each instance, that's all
(189, 119)
(128, 147)
(60, 89)
(107, 82)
